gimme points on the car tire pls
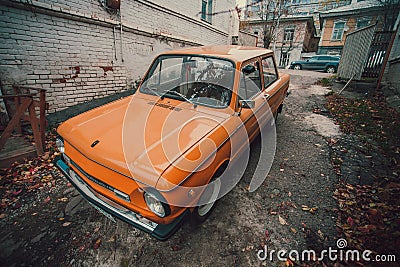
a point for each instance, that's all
(201, 213)
(331, 69)
(297, 67)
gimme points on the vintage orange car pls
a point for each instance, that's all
(149, 159)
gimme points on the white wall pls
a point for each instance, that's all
(72, 48)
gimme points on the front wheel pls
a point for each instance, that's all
(297, 67)
(209, 197)
(331, 69)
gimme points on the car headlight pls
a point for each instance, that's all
(155, 205)
(60, 144)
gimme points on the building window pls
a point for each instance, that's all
(235, 40)
(288, 35)
(338, 30)
(284, 59)
(362, 22)
(206, 10)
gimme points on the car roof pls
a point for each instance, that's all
(326, 56)
(232, 52)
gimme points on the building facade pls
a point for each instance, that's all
(84, 49)
(256, 8)
(293, 36)
(337, 23)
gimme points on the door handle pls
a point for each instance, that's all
(267, 96)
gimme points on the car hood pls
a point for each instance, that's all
(139, 136)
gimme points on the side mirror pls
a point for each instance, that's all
(247, 103)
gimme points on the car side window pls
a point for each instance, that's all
(250, 80)
(269, 71)
(326, 58)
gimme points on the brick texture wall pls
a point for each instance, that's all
(76, 51)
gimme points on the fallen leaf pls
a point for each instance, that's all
(313, 210)
(47, 199)
(320, 234)
(289, 263)
(97, 244)
(282, 221)
(82, 248)
(16, 193)
(267, 237)
(66, 224)
(2, 216)
(294, 231)
(305, 208)
(350, 221)
(176, 247)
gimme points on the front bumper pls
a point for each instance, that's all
(159, 231)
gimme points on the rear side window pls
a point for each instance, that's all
(326, 58)
(269, 71)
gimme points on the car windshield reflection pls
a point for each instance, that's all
(206, 81)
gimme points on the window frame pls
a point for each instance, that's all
(261, 85)
(206, 10)
(336, 30)
(362, 20)
(286, 59)
(265, 86)
(288, 32)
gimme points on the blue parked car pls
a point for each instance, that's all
(320, 62)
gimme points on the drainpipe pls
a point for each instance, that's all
(120, 21)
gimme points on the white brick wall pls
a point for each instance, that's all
(72, 48)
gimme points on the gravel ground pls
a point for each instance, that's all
(292, 210)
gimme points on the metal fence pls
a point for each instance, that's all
(364, 53)
(377, 54)
(355, 53)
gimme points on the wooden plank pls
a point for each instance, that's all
(35, 129)
(14, 121)
(42, 116)
(16, 149)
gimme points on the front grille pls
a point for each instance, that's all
(102, 184)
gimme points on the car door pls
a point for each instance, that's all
(311, 63)
(270, 92)
(323, 62)
(250, 88)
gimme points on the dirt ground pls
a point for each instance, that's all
(294, 209)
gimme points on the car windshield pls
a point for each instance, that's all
(202, 80)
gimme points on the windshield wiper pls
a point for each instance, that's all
(182, 96)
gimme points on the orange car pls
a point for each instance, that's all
(150, 159)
